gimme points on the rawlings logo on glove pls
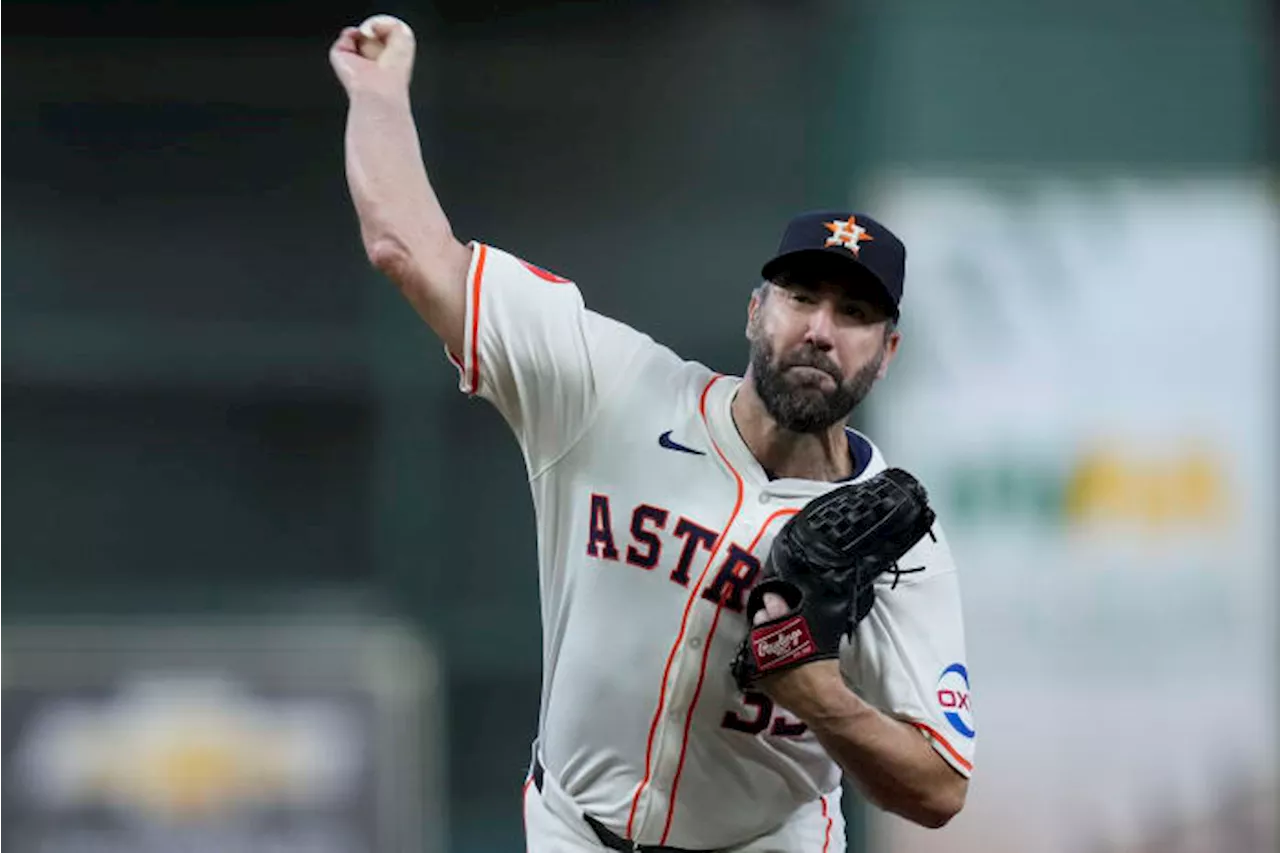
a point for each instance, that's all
(823, 565)
(781, 644)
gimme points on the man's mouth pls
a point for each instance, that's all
(810, 374)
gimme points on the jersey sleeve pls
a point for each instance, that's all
(535, 352)
(907, 656)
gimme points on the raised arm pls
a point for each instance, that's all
(405, 231)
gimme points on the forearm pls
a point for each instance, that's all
(387, 177)
(892, 763)
(404, 229)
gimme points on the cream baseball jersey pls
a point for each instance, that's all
(653, 522)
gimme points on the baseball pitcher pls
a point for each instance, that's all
(741, 602)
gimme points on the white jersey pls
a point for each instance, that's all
(653, 521)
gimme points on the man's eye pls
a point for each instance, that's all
(802, 297)
(855, 311)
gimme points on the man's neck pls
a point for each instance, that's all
(807, 456)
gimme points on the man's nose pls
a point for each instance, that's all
(821, 330)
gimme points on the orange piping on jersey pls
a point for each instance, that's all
(960, 759)
(767, 523)
(684, 621)
(475, 320)
(706, 651)
(524, 812)
(688, 719)
(826, 841)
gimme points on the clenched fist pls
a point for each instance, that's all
(376, 57)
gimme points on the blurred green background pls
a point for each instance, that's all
(213, 407)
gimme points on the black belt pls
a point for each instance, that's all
(607, 836)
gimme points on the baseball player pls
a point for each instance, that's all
(739, 600)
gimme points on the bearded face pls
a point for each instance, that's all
(803, 389)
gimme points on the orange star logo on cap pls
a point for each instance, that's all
(847, 233)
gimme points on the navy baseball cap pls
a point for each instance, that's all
(837, 240)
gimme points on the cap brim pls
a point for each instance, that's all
(835, 259)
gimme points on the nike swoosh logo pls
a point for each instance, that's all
(664, 440)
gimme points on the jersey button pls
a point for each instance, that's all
(695, 643)
(764, 497)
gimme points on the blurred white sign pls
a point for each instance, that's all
(1088, 386)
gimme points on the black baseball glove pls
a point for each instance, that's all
(824, 563)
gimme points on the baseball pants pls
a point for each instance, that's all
(553, 824)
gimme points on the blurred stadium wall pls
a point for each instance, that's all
(1093, 400)
(216, 414)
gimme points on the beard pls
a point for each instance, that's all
(802, 406)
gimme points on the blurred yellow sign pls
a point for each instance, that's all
(1187, 488)
(1108, 485)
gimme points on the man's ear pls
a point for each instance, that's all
(890, 350)
(753, 307)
